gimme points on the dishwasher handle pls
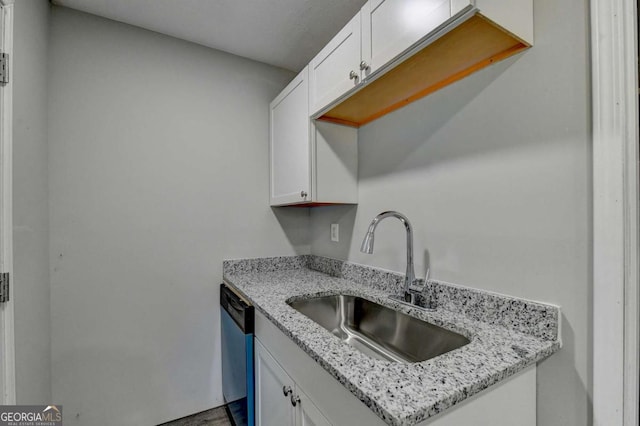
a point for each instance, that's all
(234, 304)
(240, 311)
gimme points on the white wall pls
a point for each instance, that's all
(158, 170)
(494, 173)
(30, 198)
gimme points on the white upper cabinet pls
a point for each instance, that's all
(411, 48)
(290, 154)
(310, 163)
(392, 53)
(336, 69)
(389, 27)
(382, 30)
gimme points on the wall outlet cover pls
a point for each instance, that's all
(335, 232)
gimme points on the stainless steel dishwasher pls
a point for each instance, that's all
(237, 322)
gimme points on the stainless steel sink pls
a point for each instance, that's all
(378, 331)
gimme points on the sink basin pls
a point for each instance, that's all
(378, 331)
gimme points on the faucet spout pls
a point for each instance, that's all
(367, 247)
(367, 243)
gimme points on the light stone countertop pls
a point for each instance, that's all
(507, 339)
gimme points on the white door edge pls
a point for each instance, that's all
(7, 369)
(615, 212)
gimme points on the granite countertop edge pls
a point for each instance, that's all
(400, 394)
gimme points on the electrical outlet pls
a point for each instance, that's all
(335, 232)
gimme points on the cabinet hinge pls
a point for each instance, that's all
(4, 68)
(4, 287)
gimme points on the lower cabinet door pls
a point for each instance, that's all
(274, 390)
(307, 413)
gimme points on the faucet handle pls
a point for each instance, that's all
(416, 295)
(418, 286)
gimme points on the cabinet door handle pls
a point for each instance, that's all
(295, 400)
(303, 194)
(286, 390)
(364, 66)
(353, 75)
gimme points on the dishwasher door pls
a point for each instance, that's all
(237, 321)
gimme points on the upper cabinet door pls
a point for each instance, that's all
(389, 27)
(290, 159)
(336, 69)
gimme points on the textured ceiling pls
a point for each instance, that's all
(284, 33)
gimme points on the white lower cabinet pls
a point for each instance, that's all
(272, 388)
(307, 413)
(279, 400)
(321, 400)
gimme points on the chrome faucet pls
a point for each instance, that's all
(411, 287)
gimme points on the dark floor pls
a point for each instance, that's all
(214, 417)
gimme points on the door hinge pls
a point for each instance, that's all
(4, 68)
(4, 287)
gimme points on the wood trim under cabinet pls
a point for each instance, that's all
(473, 45)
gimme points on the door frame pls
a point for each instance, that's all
(615, 212)
(7, 373)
